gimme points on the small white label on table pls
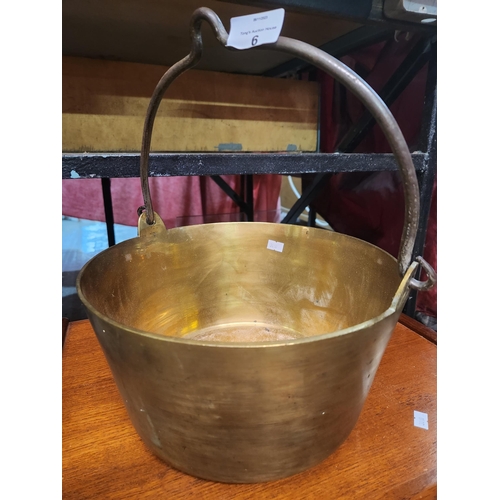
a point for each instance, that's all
(256, 29)
(277, 246)
(420, 420)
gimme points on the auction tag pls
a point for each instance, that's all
(420, 420)
(256, 29)
(277, 246)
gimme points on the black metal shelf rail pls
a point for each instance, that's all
(110, 165)
(426, 178)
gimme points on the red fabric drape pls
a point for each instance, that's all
(178, 200)
(370, 206)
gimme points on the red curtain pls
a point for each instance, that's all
(178, 200)
(370, 206)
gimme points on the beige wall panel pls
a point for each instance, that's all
(104, 105)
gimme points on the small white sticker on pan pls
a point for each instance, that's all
(277, 246)
(256, 29)
(420, 420)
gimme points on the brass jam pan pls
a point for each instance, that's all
(244, 352)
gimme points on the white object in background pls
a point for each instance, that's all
(420, 420)
(255, 29)
(416, 11)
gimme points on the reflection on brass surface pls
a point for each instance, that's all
(244, 332)
(236, 362)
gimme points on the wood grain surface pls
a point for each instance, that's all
(419, 328)
(104, 105)
(385, 457)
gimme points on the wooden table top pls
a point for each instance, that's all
(385, 457)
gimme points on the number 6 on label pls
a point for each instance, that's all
(256, 29)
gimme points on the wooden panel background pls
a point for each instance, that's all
(104, 104)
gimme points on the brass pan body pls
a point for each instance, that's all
(243, 411)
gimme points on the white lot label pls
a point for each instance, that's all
(277, 246)
(420, 420)
(256, 29)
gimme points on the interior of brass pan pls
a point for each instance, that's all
(241, 282)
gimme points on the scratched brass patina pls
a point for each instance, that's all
(244, 352)
(303, 333)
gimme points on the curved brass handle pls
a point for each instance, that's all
(330, 65)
